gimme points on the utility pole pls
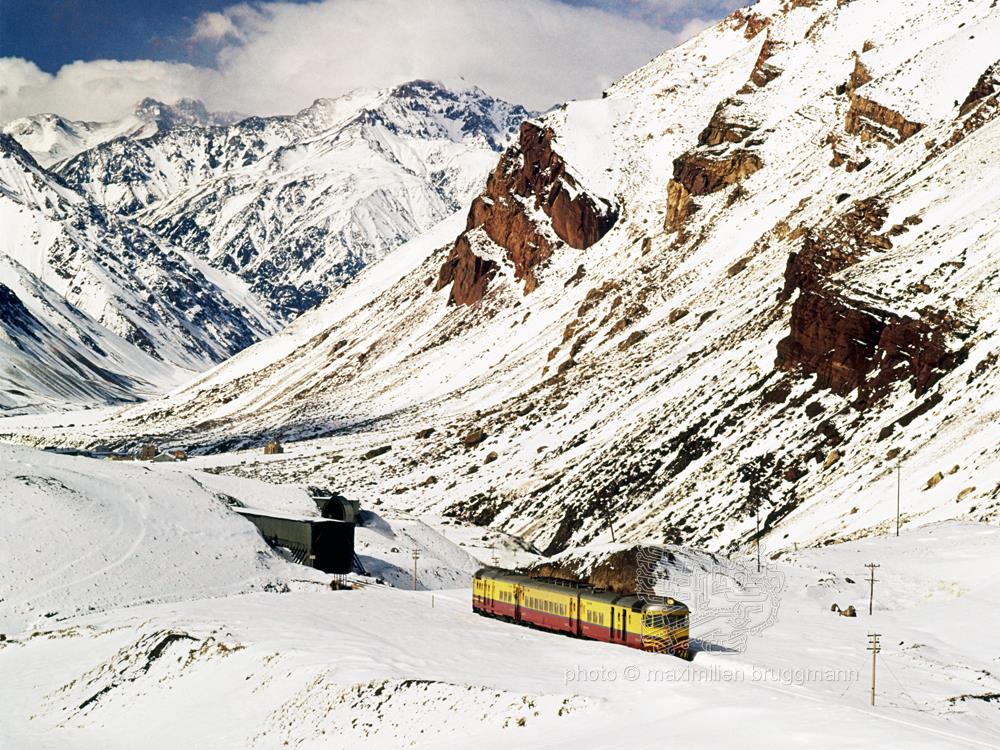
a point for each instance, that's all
(757, 514)
(871, 584)
(416, 556)
(897, 496)
(874, 647)
(607, 515)
(493, 547)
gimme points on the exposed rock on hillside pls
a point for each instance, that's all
(841, 244)
(872, 121)
(530, 177)
(987, 85)
(704, 172)
(763, 71)
(849, 344)
(751, 22)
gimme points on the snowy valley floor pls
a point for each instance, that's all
(388, 668)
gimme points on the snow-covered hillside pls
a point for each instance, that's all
(123, 311)
(51, 139)
(298, 204)
(134, 603)
(83, 535)
(740, 280)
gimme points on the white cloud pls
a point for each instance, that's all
(214, 27)
(95, 90)
(279, 57)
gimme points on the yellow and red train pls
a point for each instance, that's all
(582, 611)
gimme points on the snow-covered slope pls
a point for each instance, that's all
(383, 668)
(298, 204)
(50, 138)
(82, 535)
(129, 303)
(53, 355)
(740, 280)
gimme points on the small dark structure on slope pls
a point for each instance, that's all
(323, 543)
(147, 452)
(273, 447)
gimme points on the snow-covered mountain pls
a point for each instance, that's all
(97, 308)
(50, 138)
(297, 205)
(761, 272)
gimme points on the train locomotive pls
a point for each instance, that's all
(582, 611)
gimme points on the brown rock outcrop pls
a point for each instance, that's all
(872, 121)
(679, 207)
(726, 126)
(851, 345)
(750, 22)
(763, 72)
(704, 172)
(987, 85)
(842, 243)
(868, 119)
(529, 175)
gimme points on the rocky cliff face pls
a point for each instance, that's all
(851, 345)
(870, 120)
(988, 85)
(531, 178)
(718, 162)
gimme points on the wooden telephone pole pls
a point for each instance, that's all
(757, 515)
(874, 647)
(871, 584)
(416, 556)
(897, 497)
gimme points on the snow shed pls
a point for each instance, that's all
(323, 543)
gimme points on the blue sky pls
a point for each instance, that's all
(52, 33)
(92, 59)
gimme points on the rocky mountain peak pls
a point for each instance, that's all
(182, 113)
